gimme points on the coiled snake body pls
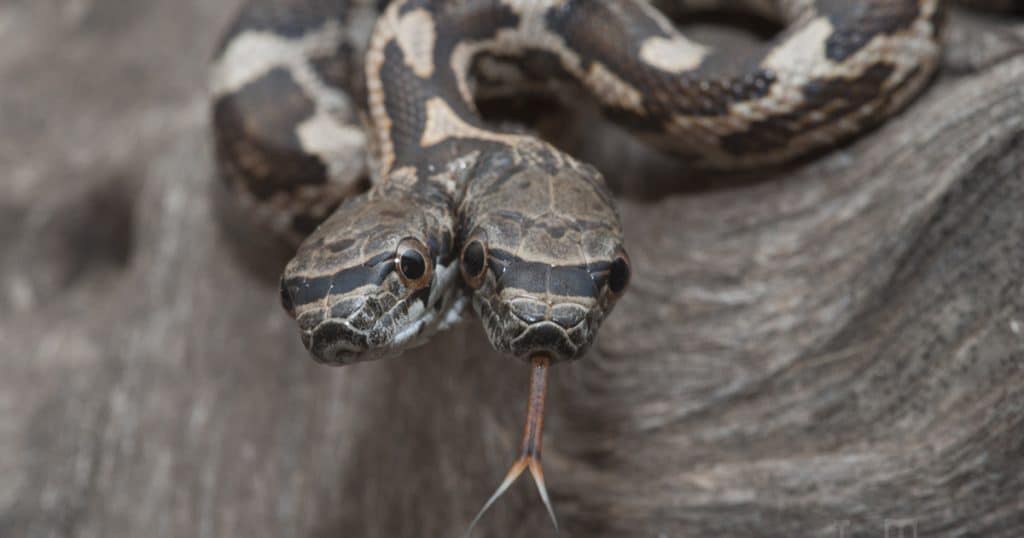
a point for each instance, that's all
(540, 238)
(456, 204)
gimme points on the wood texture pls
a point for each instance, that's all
(826, 351)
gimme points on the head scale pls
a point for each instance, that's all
(377, 277)
(542, 251)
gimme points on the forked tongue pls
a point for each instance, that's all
(529, 456)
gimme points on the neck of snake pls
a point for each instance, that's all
(418, 85)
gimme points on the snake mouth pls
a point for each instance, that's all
(335, 341)
(550, 339)
(348, 330)
(368, 329)
(524, 327)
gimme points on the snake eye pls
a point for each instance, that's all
(286, 299)
(618, 274)
(474, 263)
(413, 262)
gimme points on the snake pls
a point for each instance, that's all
(349, 130)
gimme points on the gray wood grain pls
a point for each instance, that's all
(823, 351)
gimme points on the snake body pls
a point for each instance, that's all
(534, 232)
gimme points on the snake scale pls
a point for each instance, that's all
(350, 129)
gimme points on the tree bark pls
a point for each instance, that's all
(835, 349)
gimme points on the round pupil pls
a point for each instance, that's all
(619, 276)
(412, 265)
(473, 258)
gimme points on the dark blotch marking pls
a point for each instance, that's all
(535, 65)
(341, 70)
(255, 135)
(857, 23)
(614, 38)
(406, 93)
(848, 96)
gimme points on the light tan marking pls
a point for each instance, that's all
(340, 145)
(613, 90)
(382, 34)
(462, 54)
(416, 37)
(672, 55)
(804, 52)
(443, 123)
(254, 54)
(405, 175)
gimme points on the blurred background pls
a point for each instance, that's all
(833, 350)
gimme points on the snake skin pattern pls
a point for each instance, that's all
(534, 232)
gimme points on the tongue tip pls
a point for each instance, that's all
(538, 479)
(514, 472)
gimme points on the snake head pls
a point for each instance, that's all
(377, 277)
(542, 252)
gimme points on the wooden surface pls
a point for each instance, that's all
(828, 351)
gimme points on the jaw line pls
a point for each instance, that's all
(348, 353)
(413, 332)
